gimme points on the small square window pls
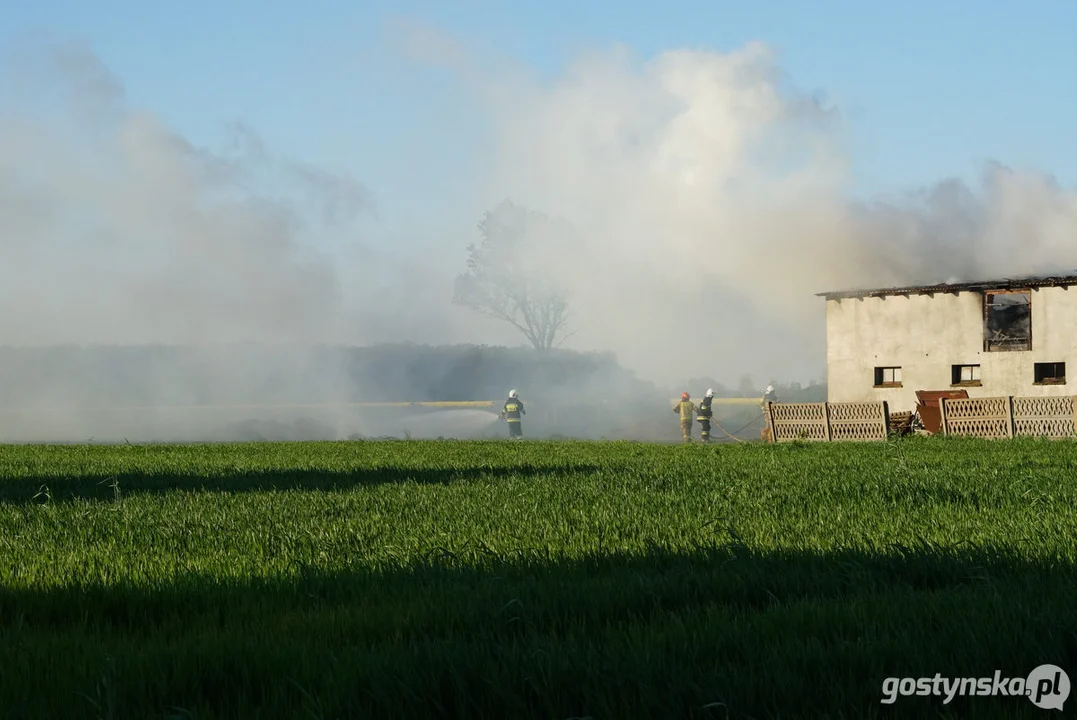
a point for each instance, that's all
(965, 375)
(887, 377)
(1050, 373)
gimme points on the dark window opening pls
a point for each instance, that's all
(887, 377)
(965, 375)
(1008, 321)
(1051, 373)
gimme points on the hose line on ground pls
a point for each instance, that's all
(732, 435)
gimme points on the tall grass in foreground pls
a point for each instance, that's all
(550, 580)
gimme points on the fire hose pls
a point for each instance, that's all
(732, 435)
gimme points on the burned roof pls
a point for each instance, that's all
(1014, 283)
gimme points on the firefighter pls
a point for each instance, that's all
(704, 415)
(512, 414)
(767, 434)
(685, 407)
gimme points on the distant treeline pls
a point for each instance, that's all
(252, 374)
(469, 372)
(786, 392)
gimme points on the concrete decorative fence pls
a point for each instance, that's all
(977, 417)
(828, 421)
(1052, 417)
(1008, 416)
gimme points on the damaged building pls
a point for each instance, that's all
(990, 338)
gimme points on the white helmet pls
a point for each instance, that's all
(512, 393)
(710, 392)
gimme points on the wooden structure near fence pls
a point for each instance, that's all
(839, 422)
(1009, 416)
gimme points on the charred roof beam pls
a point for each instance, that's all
(1022, 283)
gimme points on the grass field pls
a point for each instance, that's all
(546, 580)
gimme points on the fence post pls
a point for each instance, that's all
(886, 419)
(1009, 413)
(944, 423)
(826, 416)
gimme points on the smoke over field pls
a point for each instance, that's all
(705, 198)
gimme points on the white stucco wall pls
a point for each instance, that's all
(926, 335)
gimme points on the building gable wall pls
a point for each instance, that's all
(925, 335)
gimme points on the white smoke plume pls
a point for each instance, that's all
(713, 200)
(115, 229)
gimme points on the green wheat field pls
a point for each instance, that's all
(531, 580)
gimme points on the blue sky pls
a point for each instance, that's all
(930, 89)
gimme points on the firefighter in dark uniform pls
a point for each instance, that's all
(704, 415)
(512, 414)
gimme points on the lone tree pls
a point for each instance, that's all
(506, 279)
